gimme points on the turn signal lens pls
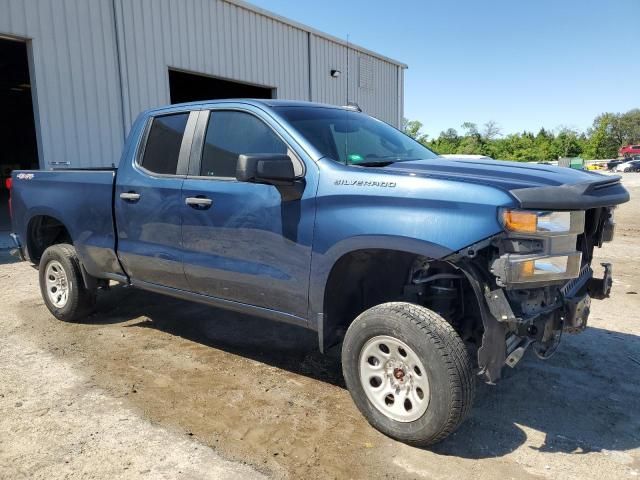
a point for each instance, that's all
(520, 221)
(527, 269)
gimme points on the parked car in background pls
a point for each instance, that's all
(596, 166)
(629, 151)
(630, 166)
(612, 164)
(429, 272)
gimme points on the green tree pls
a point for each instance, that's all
(470, 128)
(601, 142)
(607, 134)
(470, 144)
(567, 143)
(544, 146)
(626, 127)
(413, 128)
(491, 131)
(447, 142)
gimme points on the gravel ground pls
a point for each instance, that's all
(152, 387)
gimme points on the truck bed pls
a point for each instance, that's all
(81, 200)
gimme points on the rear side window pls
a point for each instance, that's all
(231, 134)
(163, 143)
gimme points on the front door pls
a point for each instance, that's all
(245, 242)
(148, 203)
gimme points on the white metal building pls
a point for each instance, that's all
(79, 71)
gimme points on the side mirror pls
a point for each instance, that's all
(273, 169)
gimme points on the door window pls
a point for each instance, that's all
(163, 143)
(231, 134)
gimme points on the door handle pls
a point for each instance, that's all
(198, 202)
(130, 196)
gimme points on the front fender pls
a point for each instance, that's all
(359, 208)
(323, 262)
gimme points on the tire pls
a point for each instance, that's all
(62, 286)
(442, 360)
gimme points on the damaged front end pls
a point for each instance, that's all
(536, 281)
(527, 285)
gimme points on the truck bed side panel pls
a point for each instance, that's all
(82, 201)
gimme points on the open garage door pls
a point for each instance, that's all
(190, 87)
(17, 126)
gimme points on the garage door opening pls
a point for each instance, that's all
(190, 87)
(19, 149)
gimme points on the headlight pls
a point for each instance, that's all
(541, 246)
(548, 268)
(542, 222)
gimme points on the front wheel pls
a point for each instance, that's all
(61, 284)
(408, 372)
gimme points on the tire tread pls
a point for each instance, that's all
(441, 335)
(84, 302)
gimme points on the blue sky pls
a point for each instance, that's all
(524, 64)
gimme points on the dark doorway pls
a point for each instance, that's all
(189, 87)
(17, 126)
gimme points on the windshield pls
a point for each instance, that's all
(353, 138)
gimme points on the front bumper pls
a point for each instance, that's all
(577, 295)
(542, 327)
(570, 302)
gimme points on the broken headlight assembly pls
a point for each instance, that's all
(540, 246)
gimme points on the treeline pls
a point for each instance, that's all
(608, 133)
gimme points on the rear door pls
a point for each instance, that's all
(246, 242)
(148, 202)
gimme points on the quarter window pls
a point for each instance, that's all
(163, 143)
(231, 134)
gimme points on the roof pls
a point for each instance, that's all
(318, 33)
(249, 101)
(297, 103)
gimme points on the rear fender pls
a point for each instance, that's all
(24, 230)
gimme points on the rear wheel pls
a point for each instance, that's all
(408, 372)
(62, 286)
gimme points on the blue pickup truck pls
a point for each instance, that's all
(429, 272)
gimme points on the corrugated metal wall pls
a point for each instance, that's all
(377, 93)
(75, 74)
(206, 36)
(98, 63)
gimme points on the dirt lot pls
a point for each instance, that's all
(152, 387)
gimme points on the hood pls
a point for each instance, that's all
(533, 185)
(501, 174)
